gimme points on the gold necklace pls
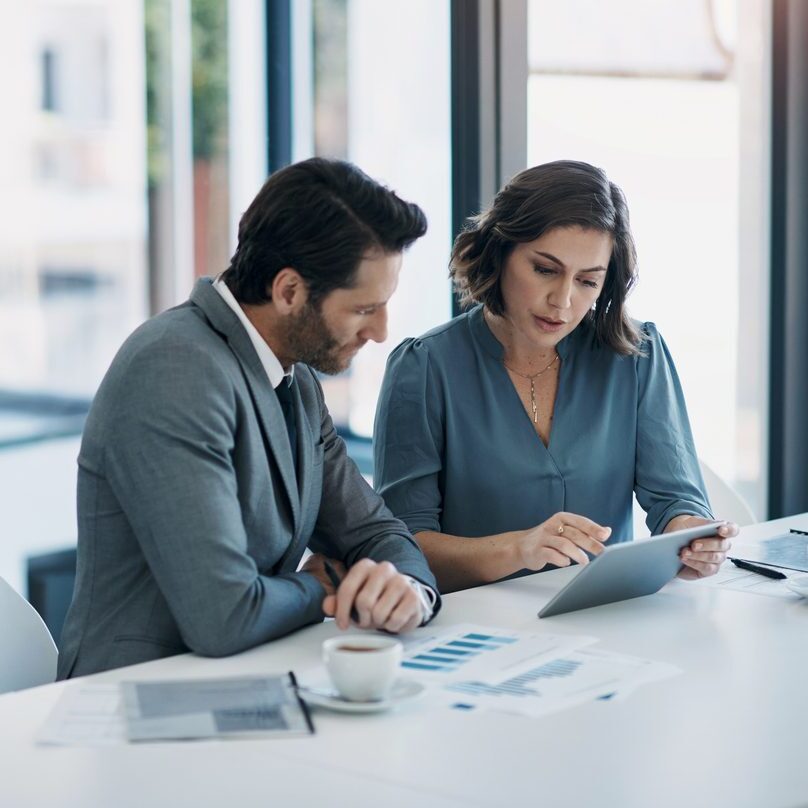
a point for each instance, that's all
(532, 384)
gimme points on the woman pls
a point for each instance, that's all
(512, 437)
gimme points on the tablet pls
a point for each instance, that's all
(627, 570)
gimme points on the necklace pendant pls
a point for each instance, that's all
(533, 402)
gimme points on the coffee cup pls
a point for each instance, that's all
(362, 667)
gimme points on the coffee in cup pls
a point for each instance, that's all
(362, 667)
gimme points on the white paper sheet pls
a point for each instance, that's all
(86, 715)
(465, 651)
(225, 707)
(540, 687)
(731, 577)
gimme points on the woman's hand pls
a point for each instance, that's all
(703, 557)
(560, 540)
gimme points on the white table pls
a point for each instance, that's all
(729, 731)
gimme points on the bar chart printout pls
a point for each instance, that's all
(581, 676)
(521, 685)
(478, 651)
(449, 656)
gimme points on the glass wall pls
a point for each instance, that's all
(73, 235)
(670, 98)
(72, 191)
(190, 162)
(383, 102)
(139, 136)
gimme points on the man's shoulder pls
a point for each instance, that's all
(179, 335)
(182, 325)
(174, 354)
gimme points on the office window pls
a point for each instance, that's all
(73, 229)
(670, 98)
(49, 79)
(383, 102)
(73, 269)
(209, 103)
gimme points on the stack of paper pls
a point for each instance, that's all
(518, 672)
(86, 715)
(731, 577)
(214, 708)
(99, 715)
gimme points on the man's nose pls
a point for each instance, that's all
(376, 329)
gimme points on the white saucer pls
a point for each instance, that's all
(403, 690)
(798, 584)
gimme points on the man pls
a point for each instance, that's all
(209, 461)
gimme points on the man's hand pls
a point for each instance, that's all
(702, 557)
(381, 596)
(315, 566)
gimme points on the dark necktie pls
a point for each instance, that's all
(286, 399)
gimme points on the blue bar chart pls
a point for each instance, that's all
(530, 673)
(522, 685)
(450, 655)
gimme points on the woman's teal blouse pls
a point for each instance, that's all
(456, 452)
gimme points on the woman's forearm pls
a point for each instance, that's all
(459, 563)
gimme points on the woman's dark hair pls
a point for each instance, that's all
(320, 217)
(565, 193)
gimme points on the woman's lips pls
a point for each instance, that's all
(549, 326)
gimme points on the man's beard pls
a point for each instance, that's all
(309, 340)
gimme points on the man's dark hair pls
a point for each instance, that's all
(321, 218)
(561, 194)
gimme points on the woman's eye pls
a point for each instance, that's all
(590, 284)
(544, 270)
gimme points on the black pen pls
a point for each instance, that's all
(748, 565)
(335, 580)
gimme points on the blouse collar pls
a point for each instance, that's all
(494, 347)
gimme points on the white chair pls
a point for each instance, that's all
(27, 650)
(726, 503)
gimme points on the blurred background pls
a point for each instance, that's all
(137, 131)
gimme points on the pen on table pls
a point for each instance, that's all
(335, 580)
(760, 570)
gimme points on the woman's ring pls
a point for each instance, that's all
(560, 529)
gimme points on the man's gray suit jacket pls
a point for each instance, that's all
(191, 518)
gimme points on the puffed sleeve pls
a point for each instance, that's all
(408, 438)
(667, 478)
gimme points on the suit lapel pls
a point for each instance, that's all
(270, 415)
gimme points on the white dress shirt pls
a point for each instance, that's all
(269, 361)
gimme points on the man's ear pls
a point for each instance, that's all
(289, 291)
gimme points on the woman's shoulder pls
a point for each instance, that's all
(586, 337)
(647, 330)
(441, 342)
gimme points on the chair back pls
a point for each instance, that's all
(725, 501)
(27, 650)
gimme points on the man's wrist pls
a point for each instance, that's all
(427, 597)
